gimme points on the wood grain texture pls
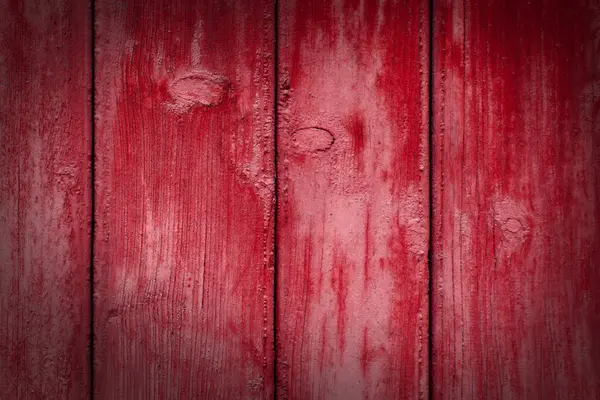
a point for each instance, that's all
(185, 172)
(516, 219)
(45, 202)
(353, 199)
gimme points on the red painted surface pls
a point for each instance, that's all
(45, 146)
(185, 205)
(185, 199)
(353, 199)
(516, 196)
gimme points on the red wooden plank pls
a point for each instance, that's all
(185, 200)
(517, 190)
(45, 203)
(353, 199)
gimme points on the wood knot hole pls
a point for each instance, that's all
(312, 139)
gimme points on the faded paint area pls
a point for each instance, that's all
(353, 208)
(185, 173)
(516, 193)
(45, 143)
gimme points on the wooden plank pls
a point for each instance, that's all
(352, 307)
(516, 195)
(185, 172)
(45, 202)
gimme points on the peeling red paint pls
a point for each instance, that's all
(45, 193)
(339, 286)
(368, 238)
(346, 203)
(516, 196)
(185, 199)
(356, 127)
(185, 189)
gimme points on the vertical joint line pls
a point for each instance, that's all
(276, 185)
(431, 188)
(92, 189)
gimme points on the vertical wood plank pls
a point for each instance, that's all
(516, 219)
(45, 203)
(352, 306)
(185, 206)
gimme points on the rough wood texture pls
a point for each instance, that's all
(184, 270)
(45, 207)
(517, 190)
(353, 199)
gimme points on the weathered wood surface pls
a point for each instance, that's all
(45, 202)
(353, 199)
(516, 195)
(185, 199)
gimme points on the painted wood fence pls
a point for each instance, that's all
(298, 199)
